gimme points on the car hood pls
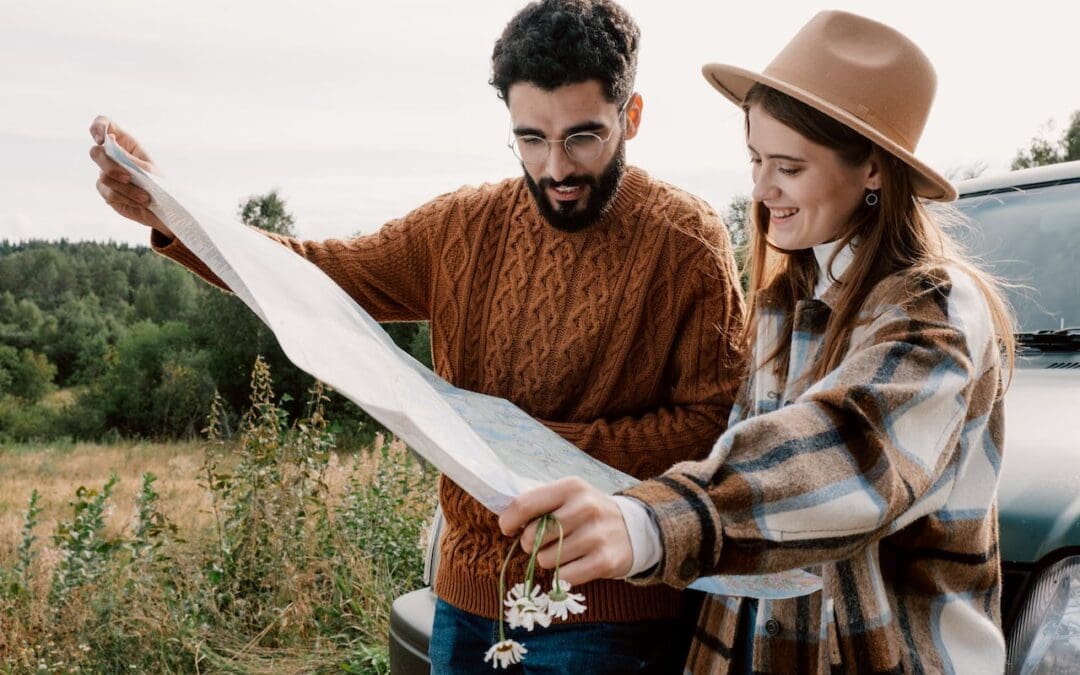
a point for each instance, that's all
(1039, 493)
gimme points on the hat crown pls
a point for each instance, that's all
(866, 68)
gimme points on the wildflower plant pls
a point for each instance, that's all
(84, 552)
(527, 606)
(16, 583)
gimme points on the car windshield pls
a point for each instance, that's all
(1031, 238)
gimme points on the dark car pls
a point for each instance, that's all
(1025, 227)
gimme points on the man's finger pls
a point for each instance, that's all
(128, 143)
(133, 193)
(107, 165)
(98, 128)
(116, 199)
(102, 126)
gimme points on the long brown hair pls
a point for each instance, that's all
(899, 233)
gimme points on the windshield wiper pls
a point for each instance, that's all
(1064, 340)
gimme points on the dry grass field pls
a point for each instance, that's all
(57, 471)
(247, 590)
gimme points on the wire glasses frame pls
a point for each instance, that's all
(582, 147)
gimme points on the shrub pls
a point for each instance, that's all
(295, 576)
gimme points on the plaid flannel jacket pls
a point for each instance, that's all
(881, 477)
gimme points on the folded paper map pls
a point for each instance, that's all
(487, 445)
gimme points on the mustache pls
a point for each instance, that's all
(569, 181)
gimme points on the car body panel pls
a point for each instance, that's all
(1039, 493)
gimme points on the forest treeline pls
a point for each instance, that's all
(105, 340)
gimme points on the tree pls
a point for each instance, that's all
(25, 374)
(737, 220)
(1043, 151)
(267, 212)
(139, 392)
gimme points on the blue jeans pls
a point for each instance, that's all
(459, 641)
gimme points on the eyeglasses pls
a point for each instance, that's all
(582, 147)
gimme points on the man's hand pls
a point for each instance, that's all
(596, 544)
(114, 184)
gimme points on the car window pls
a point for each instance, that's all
(1031, 238)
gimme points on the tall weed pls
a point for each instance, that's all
(296, 575)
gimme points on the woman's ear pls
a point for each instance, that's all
(873, 173)
(633, 115)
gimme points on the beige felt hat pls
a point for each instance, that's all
(859, 72)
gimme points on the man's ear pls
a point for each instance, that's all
(633, 115)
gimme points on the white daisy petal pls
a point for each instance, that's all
(561, 603)
(506, 653)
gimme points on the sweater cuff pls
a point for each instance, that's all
(159, 240)
(173, 248)
(689, 528)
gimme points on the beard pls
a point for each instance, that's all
(602, 188)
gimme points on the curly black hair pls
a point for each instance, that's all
(551, 43)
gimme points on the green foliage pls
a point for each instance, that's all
(737, 220)
(154, 383)
(25, 374)
(375, 512)
(20, 421)
(152, 528)
(295, 577)
(267, 212)
(84, 552)
(1043, 151)
(16, 583)
(143, 343)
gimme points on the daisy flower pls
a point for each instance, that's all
(561, 603)
(526, 608)
(505, 653)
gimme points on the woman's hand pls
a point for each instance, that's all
(114, 184)
(596, 544)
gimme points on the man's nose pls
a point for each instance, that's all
(559, 165)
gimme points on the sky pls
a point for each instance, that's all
(357, 112)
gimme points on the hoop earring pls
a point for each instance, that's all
(871, 198)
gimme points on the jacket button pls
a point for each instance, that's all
(772, 627)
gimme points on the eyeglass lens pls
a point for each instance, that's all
(580, 147)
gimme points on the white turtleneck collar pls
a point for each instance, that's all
(823, 252)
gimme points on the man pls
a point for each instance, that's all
(599, 300)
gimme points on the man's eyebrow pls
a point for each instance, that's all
(591, 125)
(784, 157)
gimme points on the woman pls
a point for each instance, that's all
(867, 439)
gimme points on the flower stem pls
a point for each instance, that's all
(540, 528)
(502, 591)
(558, 551)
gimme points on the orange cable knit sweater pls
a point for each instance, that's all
(622, 338)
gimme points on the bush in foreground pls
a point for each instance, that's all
(296, 575)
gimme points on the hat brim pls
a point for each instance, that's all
(734, 83)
